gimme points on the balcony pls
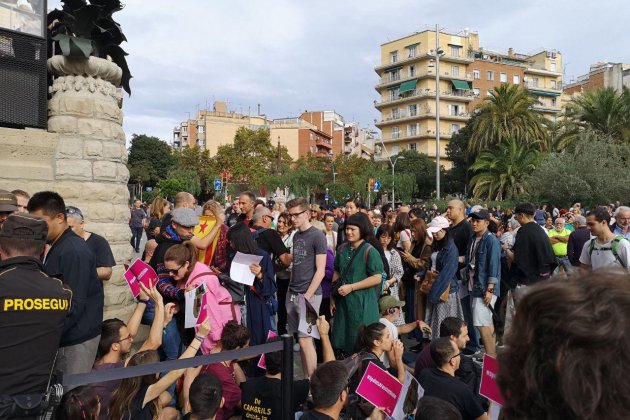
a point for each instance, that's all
(428, 134)
(404, 116)
(404, 75)
(545, 108)
(455, 95)
(463, 59)
(539, 87)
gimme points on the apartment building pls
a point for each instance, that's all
(600, 75)
(408, 87)
(328, 122)
(358, 141)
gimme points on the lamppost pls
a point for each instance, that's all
(394, 177)
(438, 53)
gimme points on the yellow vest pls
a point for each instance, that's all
(560, 248)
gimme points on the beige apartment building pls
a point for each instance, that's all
(408, 87)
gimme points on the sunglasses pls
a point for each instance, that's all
(174, 270)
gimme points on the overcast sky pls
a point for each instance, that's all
(295, 55)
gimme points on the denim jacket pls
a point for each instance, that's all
(446, 266)
(487, 264)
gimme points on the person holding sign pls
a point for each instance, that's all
(356, 283)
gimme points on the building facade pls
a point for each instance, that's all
(408, 87)
(600, 75)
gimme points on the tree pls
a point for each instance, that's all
(507, 113)
(500, 171)
(422, 170)
(603, 111)
(198, 161)
(593, 171)
(457, 179)
(150, 159)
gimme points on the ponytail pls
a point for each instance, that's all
(181, 253)
(367, 335)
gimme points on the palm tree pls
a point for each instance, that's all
(507, 113)
(604, 111)
(500, 171)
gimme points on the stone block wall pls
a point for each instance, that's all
(83, 157)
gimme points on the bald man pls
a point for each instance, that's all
(268, 239)
(461, 232)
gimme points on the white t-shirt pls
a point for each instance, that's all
(405, 236)
(393, 331)
(602, 255)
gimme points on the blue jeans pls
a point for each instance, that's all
(136, 237)
(410, 311)
(473, 345)
(564, 263)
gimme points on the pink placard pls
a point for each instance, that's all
(261, 363)
(489, 387)
(380, 388)
(203, 313)
(139, 271)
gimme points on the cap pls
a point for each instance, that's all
(390, 301)
(481, 214)
(185, 217)
(24, 226)
(437, 224)
(8, 202)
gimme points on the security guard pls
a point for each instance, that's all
(33, 308)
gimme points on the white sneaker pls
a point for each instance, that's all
(296, 347)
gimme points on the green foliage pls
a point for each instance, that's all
(150, 159)
(593, 171)
(603, 111)
(501, 170)
(197, 161)
(421, 169)
(507, 113)
(171, 186)
(82, 30)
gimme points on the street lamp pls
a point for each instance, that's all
(438, 53)
(394, 176)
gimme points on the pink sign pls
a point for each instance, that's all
(261, 363)
(380, 388)
(140, 271)
(489, 387)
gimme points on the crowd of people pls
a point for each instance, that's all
(410, 289)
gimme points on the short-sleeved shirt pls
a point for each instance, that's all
(105, 389)
(441, 385)
(137, 218)
(270, 241)
(306, 246)
(231, 391)
(602, 255)
(262, 397)
(559, 248)
(101, 249)
(137, 411)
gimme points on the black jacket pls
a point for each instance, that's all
(534, 259)
(33, 308)
(71, 260)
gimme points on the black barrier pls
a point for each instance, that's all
(129, 372)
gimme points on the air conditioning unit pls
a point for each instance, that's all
(486, 56)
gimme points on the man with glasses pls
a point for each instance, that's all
(70, 259)
(309, 265)
(440, 382)
(99, 245)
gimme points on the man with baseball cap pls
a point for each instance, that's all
(8, 205)
(482, 274)
(33, 308)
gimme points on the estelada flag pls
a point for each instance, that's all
(206, 223)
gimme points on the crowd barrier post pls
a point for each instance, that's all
(287, 377)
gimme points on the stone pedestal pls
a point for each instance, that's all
(82, 157)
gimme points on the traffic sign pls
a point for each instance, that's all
(377, 186)
(326, 197)
(217, 184)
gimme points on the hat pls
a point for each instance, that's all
(525, 208)
(481, 214)
(437, 224)
(185, 217)
(8, 202)
(390, 301)
(24, 226)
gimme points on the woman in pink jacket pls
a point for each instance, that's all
(190, 274)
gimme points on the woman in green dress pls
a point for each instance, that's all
(359, 268)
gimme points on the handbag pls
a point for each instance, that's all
(334, 289)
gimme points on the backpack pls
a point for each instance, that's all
(613, 248)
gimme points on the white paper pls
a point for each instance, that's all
(194, 302)
(308, 319)
(495, 410)
(240, 272)
(410, 382)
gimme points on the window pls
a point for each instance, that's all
(394, 94)
(476, 92)
(516, 79)
(476, 74)
(534, 81)
(412, 129)
(395, 74)
(554, 84)
(413, 146)
(455, 50)
(201, 129)
(454, 128)
(395, 113)
(554, 102)
(395, 133)
(393, 56)
(184, 129)
(453, 109)
(412, 71)
(552, 67)
(412, 51)
(413, 110)
(455, 70)
(503, 77)
(490, 75)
